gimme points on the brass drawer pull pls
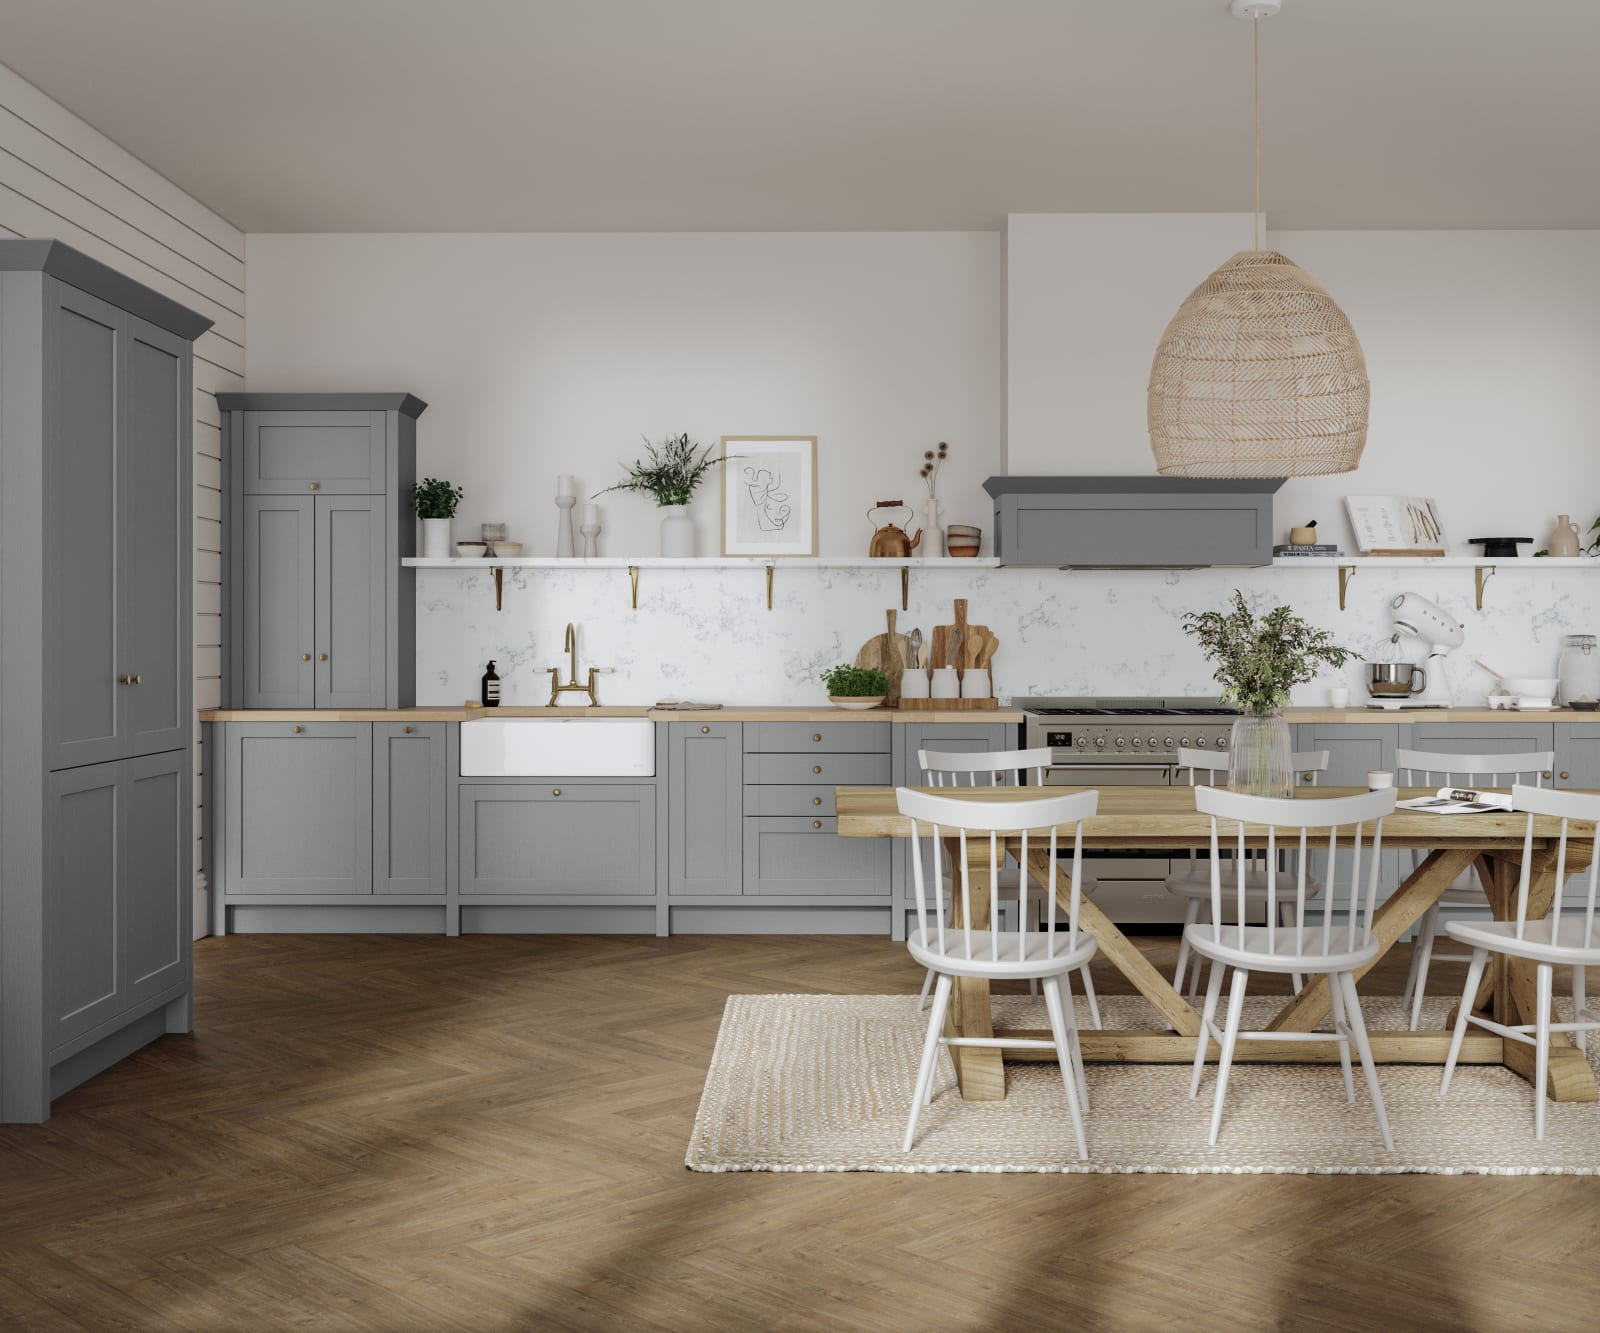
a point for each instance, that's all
(705, 731)
(816, 800)
(816, 823)
(1547, 775)
(816, 768)
(817, 736)
(315, 487)
(138, 680)
(298, 729)
(124, 680)
(1564, 775)
(555, 791)
(322, 657)
(305, 657)
(408, 729)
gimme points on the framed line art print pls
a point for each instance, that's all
(769, 495)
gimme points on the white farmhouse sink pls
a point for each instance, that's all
(558, 747)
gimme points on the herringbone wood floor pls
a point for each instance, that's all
(416, 1133)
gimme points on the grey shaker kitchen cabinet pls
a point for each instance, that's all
(321, 611)
(1517, 737)
(1354, 749)
(805, 856)
(410, 791)
(1577, 746)
(298, 808)
(96, 754)
(705, 817)
(557, 839)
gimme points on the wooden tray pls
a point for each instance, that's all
(951, 705)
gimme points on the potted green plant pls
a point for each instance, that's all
(669, 473)
(1258, 659)
(435, 502)
(855, 687)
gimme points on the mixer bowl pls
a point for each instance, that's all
(1394, 680)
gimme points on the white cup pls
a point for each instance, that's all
(1379, 779)
(1338, 696)
(914, 683)
(945, 684)
(975, 684)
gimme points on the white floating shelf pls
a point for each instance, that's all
(706, 562)
(1438, 561)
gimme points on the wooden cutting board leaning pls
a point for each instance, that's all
(888, 653)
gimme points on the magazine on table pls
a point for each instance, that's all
(1458, 801)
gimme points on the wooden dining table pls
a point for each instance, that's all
(1152, 818)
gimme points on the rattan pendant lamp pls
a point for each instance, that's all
(1259, 374)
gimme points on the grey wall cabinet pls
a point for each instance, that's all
(410, 791)
(321, 613)
(96, 672)
(705, 824)
(564, 839)
(1577, 746)
(298, 808)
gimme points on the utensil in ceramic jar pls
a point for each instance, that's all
(944, 684)
(975, 683)
(914, 684)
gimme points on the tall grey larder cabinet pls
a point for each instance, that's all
(96, 669)
(320, 612)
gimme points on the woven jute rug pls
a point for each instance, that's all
(823, 1083)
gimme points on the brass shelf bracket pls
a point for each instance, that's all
(769, 587)
(499, 587)
(905, 587)
(633, 578)
(1481, 574)
(1346, 573)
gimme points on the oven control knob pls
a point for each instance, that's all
(1099, 742)
(1200, 742)
(1121, 742)
(1083, 742)
(1166, 742)
(1138, 742)
(1222, 742)
(1183, 740)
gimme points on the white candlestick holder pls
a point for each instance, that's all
(590, 531)
(564, 543)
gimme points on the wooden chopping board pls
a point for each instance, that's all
(977, 645)
(887, 653)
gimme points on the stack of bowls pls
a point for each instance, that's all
(962, 540)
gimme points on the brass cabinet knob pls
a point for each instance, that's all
(816, 823)
(816, 768)
(1564, 775)
(555, 791)
(139, 680)
(1309, 776)
(816, 800)
(124, 680)
(315, 487)
(705, 731)
(322, 657)
(305, 657)
(1547, 775)
(408, 729)
(817, 736)
(298, 729)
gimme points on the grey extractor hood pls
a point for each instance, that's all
(1132, 522)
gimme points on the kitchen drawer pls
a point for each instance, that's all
(808, 799)
(1479, 738)
(806, 856)
(807, 737)
(560, 839)
(849, 770)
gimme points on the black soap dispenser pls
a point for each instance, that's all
(491, 687)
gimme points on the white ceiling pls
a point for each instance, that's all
(543, 115)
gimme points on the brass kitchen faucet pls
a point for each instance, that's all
(557, 689)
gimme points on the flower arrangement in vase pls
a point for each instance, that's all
(932, 529)
(669, 473)
(1257, 660)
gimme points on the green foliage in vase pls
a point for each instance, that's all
(1259, 658)
(432, 498)
(848, 682)
(669, 471)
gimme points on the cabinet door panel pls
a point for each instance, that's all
(279, 563)
(1578, 755)
(410, 785)
(806, 856)
(157, 882)
(705, 824)
(526, 840)
(299, 808)
(349, 599)
(83, 900)
(83, 699)
(1480, 738)
(156, 535)
(296, 453)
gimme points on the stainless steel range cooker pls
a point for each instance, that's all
(1129, 742)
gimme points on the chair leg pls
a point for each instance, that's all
(1230, 1039)
(1426, 932)
(1089, 995)
(1358, 1030)
(1069, 1011)
(930, 1056)
(1544, 981)
(1286, 922)
(1033, 985)
(1058, 1027)
(1191, 914)
(1480, 957)
(1579, 1000)
(1341, 1025)
(1207, 1020)
(927, 985)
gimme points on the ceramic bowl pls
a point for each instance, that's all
(511, 550)
(857, 704)
(1538, 687)
(471, 550)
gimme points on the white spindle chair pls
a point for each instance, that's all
(1574, 941)
(1193, 882)
(1432, 768)
(1334, 951)
(1047, 955)
(996, 768)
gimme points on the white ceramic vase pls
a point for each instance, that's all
(932, 543)
(436, 539)
(677, 531)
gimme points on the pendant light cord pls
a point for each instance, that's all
(1255, 218)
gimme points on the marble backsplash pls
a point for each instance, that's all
(707, 634)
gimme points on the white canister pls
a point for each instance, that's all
(945, 684)
(975, 683)
(677, 532)
(914, 683)
(436, 539)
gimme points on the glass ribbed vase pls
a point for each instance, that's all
(1259, 755)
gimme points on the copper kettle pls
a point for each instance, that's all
(889, 540)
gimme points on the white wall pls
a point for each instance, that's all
(541, 354)
(62, 178)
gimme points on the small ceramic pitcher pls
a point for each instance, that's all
(1564, 538)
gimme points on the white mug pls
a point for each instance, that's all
(914, 683)
(1379, 779)
(945, 684)
(975, 684)
(1338, 696)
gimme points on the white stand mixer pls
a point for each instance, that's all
(1417, 618)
